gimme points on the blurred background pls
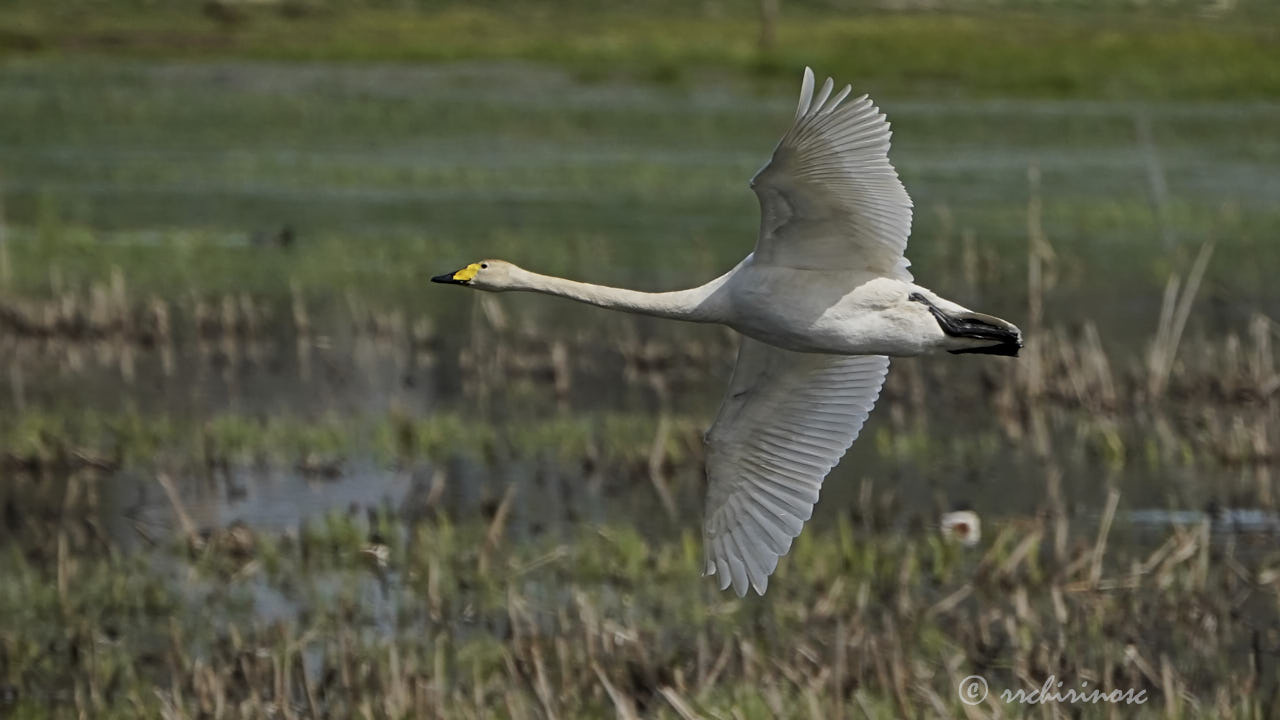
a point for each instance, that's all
(252, 464)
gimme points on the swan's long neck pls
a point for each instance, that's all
(700, 304)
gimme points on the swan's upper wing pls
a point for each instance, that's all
(829, 198)
(785, 422)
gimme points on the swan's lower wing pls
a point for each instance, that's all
(786, 421)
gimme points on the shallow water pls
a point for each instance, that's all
(415, 170)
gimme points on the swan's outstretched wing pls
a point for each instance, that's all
(785, 422)
(829, 198)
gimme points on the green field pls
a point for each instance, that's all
(1095, 48)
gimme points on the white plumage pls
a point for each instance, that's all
(786, 421)
(829, 198)
(823, 301)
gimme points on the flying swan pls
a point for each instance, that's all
(823, 302)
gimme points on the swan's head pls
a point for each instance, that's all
(482, 275)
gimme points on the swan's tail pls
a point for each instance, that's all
(1006, 338)
(999, 337)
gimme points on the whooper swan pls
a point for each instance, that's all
(823, 301)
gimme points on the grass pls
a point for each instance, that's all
(461, 622)
(38, 438)
(182, 175)
(1089, 53)
(521, 400)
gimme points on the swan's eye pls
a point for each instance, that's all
(484, 265)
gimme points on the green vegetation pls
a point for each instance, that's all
(37, 439)
(1098, 50)
(182, 178)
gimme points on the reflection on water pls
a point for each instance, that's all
(273, 500)
(1220, 520)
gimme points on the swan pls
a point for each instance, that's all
(823, 302)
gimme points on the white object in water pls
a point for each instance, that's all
(962, 526)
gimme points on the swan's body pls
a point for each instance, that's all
(823, 301)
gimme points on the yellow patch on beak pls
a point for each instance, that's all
(467, 272)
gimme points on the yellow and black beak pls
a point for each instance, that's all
(461, 277)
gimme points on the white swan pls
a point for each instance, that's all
(823, 300)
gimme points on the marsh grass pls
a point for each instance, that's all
(860, 618)
(1076, 376)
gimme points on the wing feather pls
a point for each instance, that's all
(829, 197)
(776, 537)
(787, 419)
